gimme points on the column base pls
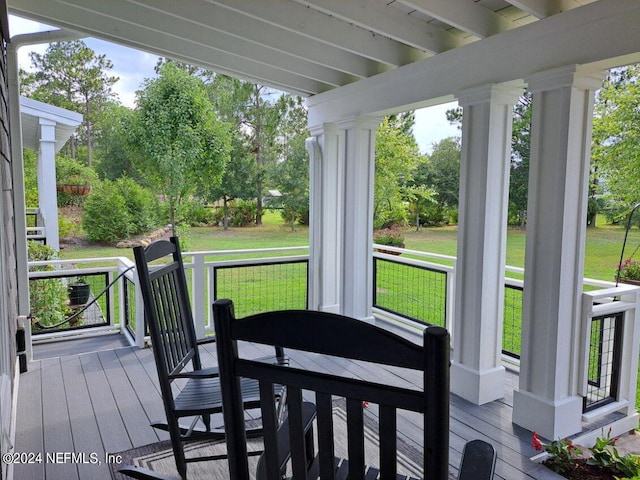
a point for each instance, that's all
(551, 420)
(335, 308)
(478, 387)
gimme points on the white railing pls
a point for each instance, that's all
(200, 267)
(608, 365)
(117, 270)
(605, 304)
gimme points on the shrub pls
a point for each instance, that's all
(196, 214)
(141, 203)
(48, 297)
(106, 216)
(68, 227)
(242, 213)
(120, 209)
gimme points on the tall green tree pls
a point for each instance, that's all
(292, 171)
(520, 153)
(71, 75)
(441, 171)
(262, 117)
(397, 154)
(182, 145)
(616, 138)
(258, 113)
(112, 154)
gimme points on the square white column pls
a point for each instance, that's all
(477, 373)
(547, 399)
(326, 159)
(357, 216)
(48, 199)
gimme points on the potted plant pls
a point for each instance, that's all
(79, 292)
(629, 271)
(73, 179)
(389, 236)
(75, 185)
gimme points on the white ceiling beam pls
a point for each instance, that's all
(581, 36)
(200, 33)
(463, 14)
(299, 19)
(160, 42)
(391, 22)
(265, 35)
(544, 8)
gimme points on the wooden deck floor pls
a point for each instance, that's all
(99, 402)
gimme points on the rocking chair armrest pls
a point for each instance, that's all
(211, 372)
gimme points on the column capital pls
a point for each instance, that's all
(368, 123)
(47, 130)
(323, 128)
(497, 93)
(568, 76)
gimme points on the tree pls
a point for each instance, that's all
(113, 157)
(520, 153)
(616, 138)
(259, 113)
(441, 171)
(182, 145)
(71, 75)
(397, 154)
(292, 171)
(262, 117)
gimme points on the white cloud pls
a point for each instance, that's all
(432, 126)
(131, 66)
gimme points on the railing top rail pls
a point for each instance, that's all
(255, 261)
(418, 253)
(123, 260)
(243, 251)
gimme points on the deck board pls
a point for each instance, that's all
(103, 402)
(29, 431)
(84, 427)
(57, 438)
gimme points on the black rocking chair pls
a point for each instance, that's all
(287, 452)
(175, 349)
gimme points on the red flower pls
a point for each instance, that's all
(535, 442)
(365, 404)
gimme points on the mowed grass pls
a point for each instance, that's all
(602, 250)
(602, 254)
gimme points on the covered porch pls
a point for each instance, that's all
(102, 401)
(356, 65)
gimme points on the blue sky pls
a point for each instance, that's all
(134, 66)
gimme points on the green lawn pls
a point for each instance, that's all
(602, 253)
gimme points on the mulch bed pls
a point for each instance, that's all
(582, 471)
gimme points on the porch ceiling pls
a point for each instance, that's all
(314, 47)
(301, 46)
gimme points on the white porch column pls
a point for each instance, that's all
(326, 206)
(547, 400)
(477, 373)
(48, 200)
(357, 265)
